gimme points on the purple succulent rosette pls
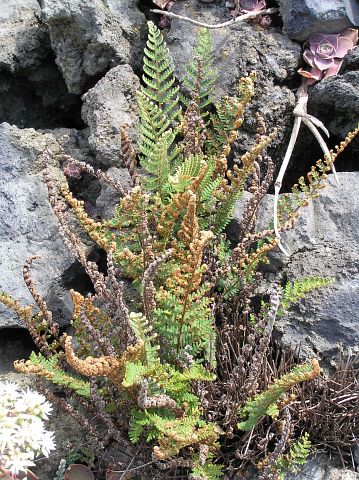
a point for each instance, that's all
(324, 52)
(247, 6)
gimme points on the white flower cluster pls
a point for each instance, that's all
(22, 432)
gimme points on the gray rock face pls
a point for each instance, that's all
(325, 243)
(238, 51)
(341, 94)
(302, 18)
(322, 470)
(109, 197)
(28, 226)
(24, 40)
(89, 38)
(108, 106)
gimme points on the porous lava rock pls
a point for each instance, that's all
(324, 243)
(302, 18)
(239, 50)
(28, 225)
(110, 104)
(89, 38)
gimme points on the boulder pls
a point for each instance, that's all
(89, 38)
(24, 40)
(324, 243)
(107, 106)
(302, 18)
(28, 225)
(238, 50)
(341, 95)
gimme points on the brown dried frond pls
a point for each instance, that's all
(105, 366)
(194, 130)
(268, 464)
(258, 357)
(91, 325)
(96, 230)
(121, 316)
(189, 226)
(23, 312)
(129, 155)
(178, 462)
(246, 88)
(72, 241)
(171, 213)
(222, 159)
(328, 408)
(133, 353)
(26, 366)
(261, 188)
(156, 401)
(261, 127)
(46, 313)
(258, 148)
(99, 174)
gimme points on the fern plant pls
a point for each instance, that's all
(295, 291)
(266, 403)
(293, 461)
(169, 363)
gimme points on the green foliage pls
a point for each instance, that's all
(144, 332)
(158, 101)
(208, 471)
(57, 376)
(224, 212)
(296, 457)
(158, 74)
(266, 402)
(200, 73)
(160, 422)
(295, 291)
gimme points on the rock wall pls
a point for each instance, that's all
(69, 70)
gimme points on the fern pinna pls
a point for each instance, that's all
(163, 356)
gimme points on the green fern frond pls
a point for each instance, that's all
(158, 76)
(295, 291)
(224, 121)
(133, 374)
(138, 423)
(204, 80)
(157, 163)
(197, 331)
(296, 457)
(186, 172)
(208, 471)
(224, 213)
(158, 102)
(144, 332)
(58, 376)
(265, 403)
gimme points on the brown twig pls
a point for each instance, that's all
(240, 18)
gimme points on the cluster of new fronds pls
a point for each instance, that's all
(165, 368)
